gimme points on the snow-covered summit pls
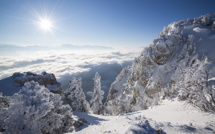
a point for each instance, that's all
(180, 62)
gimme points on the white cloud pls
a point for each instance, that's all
(67, 64)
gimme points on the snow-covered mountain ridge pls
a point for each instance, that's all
(180, 62)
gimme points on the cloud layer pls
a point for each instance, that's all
(68, 64)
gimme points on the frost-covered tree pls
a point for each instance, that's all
(36, 110)
(97, 95)
(75, 96)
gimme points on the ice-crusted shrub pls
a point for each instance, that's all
(97, 95)
(194, 85)
(4, 104)
(36, 110)
(213, 26)
(75, 96)
(4, 101)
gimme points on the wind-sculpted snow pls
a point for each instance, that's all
(178, 63)
(143, 128)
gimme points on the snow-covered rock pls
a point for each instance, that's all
(13, 84)
(179, 62)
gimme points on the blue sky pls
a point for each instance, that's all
(112, 23)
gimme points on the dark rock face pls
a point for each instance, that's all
(46, 79)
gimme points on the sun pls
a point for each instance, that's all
(45, 24)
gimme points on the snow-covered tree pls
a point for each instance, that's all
(122, 104)
(97, 95)
(75, 96)
(36, 110)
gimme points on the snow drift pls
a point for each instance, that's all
(180, 62)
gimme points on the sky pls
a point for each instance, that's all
(77, 38)
(110, 23)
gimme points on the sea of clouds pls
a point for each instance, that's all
(66, 64)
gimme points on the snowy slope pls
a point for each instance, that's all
(179, 63)
(171, 116)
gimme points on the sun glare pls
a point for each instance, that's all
(45, 24)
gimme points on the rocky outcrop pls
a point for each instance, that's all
(46, 79)
(178, 63)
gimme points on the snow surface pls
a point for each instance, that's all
(171, 116)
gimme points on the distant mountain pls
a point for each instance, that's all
(179, 63)
(75, 47)
(6, 48)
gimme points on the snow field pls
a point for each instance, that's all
(172, 116)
